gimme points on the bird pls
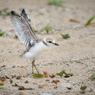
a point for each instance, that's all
(35, 46)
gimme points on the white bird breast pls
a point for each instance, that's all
(36, 50)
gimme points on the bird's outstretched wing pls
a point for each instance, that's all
(22, 26)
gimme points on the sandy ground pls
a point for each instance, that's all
(75, 55)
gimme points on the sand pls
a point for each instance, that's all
(74, 55)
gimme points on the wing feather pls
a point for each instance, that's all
(21, 24)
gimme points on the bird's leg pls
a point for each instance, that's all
(32, 66)
(35, 66)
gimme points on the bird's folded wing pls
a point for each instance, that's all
(23, 28)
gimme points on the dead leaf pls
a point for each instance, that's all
(73, 20)
(28, 88)
(7, 77)
(55, 81)
(66, 76)
(91, 90)
(22, 67)
(2, 79)
(26, 81)
(47, 80)
(69, 88)
(52, 63)
(22, 88)
(52, 76)
(46, 74)
(18, 77)
(55, 87)
(35, 83)
(15, 85)
(21, 93)
(41, 86)
(82, 92)
(24, 76)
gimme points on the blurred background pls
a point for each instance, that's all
(56, 13)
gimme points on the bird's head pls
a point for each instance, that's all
(50, 42)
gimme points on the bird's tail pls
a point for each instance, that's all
(27, 49)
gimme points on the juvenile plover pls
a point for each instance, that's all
(35, 46)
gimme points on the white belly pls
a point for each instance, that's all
(35, 51)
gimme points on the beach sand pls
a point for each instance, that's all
(74, 55)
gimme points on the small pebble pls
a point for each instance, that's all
(74, 83)
(82, 83)
(43, 93)
(69, 85)
(13, 66)
(30, 76)
(68, 65)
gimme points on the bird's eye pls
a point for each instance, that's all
(49, 41)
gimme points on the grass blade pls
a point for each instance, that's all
(93, 77)
(89, 21)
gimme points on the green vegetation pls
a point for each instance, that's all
(4, 12)
(89, 21)
(2, 33)
(16, 37)
(63, 72)
(3, 66)
(35, 31)
(93, 77)
(12, 76)
(66, 36)
(55, 2)
(37, 75)
(83, 87)
(47, 29)
(11, 81)
(1, 84)
(70, 74)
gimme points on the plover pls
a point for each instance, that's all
(35, 46)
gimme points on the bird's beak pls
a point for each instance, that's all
(56, 44)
